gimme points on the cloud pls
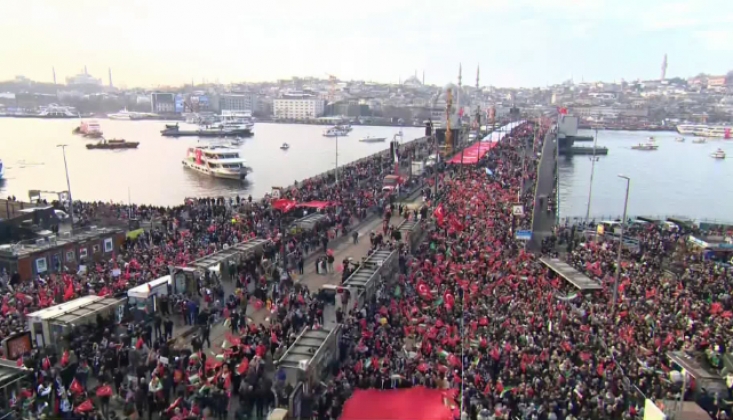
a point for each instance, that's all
(716, 39)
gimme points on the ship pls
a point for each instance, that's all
(173, 130)
(125, 115)
(369, 139)
(216, 161)
(113, 144)
(88, 129)
(336, 132)
(51, 111)
(716, 131)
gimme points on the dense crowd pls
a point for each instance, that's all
(471, 311)
(180, 235)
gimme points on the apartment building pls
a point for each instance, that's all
(298, 108)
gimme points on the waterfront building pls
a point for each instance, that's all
(162, 103)
(302, 108)
(238, 102)
(51, 253)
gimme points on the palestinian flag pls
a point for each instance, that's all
(443, 354)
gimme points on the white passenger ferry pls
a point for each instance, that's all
(216, 161)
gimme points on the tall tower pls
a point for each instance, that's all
(53, 69)
(110, 78)
(460, 87)
(664, 67)
(423, 77)
(478, 99)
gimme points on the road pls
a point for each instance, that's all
(543, 222)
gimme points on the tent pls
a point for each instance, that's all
(400, 404)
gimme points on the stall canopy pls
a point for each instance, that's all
(284, 205)
(143, 291)
(318, 205)
(473, 153)
(75, 310)
(402, 404)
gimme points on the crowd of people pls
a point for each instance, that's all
(470, 312)
(177, 236)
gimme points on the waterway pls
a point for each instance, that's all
(153, 173)
(677, 179)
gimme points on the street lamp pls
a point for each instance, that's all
(620, 243)
(68, 184)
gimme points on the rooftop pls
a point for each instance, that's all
(50, 241)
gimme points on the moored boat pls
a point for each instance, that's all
(175, 131)
(719, 154)
(113, 144)
(680, 139)
(285, 146)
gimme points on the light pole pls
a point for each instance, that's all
(68, 184)
(592, 171)
(620, 243)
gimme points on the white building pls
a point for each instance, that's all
(238, 102)
(298, 108)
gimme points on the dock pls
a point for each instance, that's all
(584, 150)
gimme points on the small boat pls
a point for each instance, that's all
(236, 141)
(336, 132)
(648, 146)
(719, 154)
(216, 161)
(370, 139)
(114, 144)
(285, 146)
(680, 139)
(699, 141)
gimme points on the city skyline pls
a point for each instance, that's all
(537, 43)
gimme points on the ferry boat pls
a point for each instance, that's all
(114, 144)
(234, 120)
(718, 131)
(89, 129)
(336, 132)
(719, 154)
(692, 129)
(50, 111)
(125, 115)
(370, 139)
(648, 146)
(216, 161)
(285, 146)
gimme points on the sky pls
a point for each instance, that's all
(517, 43)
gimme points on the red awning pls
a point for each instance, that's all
(401, 404)
(283, 204)
(319, 205)
(473, 153)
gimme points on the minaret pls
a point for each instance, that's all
(85, 69)
(110, 77)
(664, 67)
(460, 87)
(53, 69)
(478, 99)
(423, 77)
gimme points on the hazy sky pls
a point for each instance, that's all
(516, 42)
